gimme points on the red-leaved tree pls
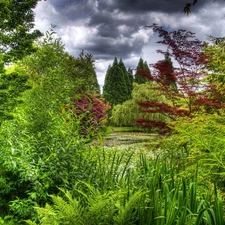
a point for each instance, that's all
(184, 84)
(91, 111)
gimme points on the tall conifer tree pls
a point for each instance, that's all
(126, 77)
(115, 89)
(131, 78)
(142, 72)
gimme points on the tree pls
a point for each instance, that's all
(115, 89)
(85, 65)
(125, 114)
(142, 72)
(127, 77)
(57, 80)
(16, 41)
(131, 78)
(192, 95)
(16, 30)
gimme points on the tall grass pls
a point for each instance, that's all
(123, 189)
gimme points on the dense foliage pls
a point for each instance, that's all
(143, 73)
(117, 85)
(146, 192)
(91, 112)
(16, 30)
(126, 113)
(51, 169)
(42, 148)
(185, 87)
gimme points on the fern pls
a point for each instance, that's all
(100, 207)
(127, 214)
(63, 211)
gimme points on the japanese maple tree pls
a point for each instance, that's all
(187, 91)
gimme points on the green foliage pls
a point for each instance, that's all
(12, 86)
(34, 165)
(202, 139)
(152, 192)
(125, 114)
(128, 78)
(85, 71)
(16, 32)
(116, 89)
(41, 149)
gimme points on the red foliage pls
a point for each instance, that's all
(165, 73)
(154, 107)
(211, 99)
(91, 111)
(187, 53)
(144, 73)
(151, 124)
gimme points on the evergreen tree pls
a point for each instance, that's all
(142, 72)
(169, 77)
(131, 78)
(126, 77)
(115, 89)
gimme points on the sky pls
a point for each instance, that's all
(118, 28)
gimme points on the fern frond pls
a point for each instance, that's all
(63, 211)
(127, 213)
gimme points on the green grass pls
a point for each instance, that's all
(126, 129)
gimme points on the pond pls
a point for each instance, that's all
(128, 138)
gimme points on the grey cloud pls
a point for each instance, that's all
(108, 48)
(74, 9)
(116, 24)
(137, 6)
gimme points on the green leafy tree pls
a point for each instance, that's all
(115, 89)
(125, 114)
(16, 41)
(85, 65)
(142, 72)
(16, 29)
(57, 78)
(42, 148)
(216, 55)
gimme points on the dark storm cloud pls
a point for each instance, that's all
(117, 19)
(134, 6)
(74, 9)
(109, 28)
(137, 6)
(117, 33)
(105, 48)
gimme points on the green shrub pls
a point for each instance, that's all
(150, 191)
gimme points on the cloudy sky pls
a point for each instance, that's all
(117, 28)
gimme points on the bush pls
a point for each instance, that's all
(36, 165)
(91, 111)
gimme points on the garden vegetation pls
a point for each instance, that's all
(54, 167)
